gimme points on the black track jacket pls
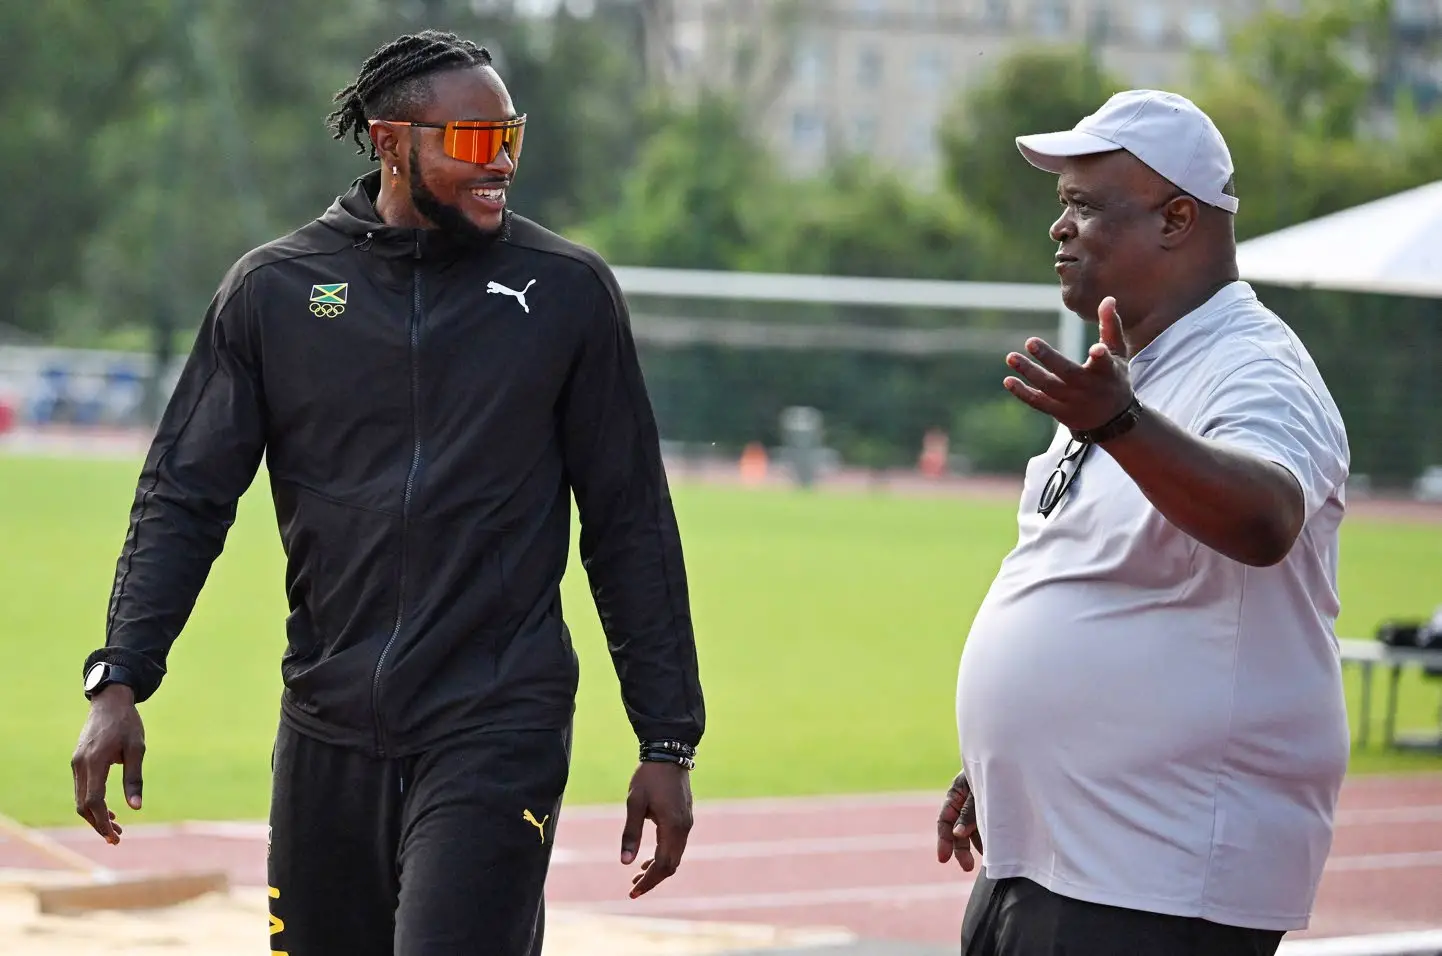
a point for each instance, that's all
(426, 408)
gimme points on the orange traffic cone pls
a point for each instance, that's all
(933, 454)
(753, 464)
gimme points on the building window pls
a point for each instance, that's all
(1150, 22)
(1416, 13)
(1099, 23)
(930, 71)
(690, 44)
(870, 10)
(1051, 17)
(808, 65)
(1204, 28)
(863, 134)
(807, 131)
(920, 137)
(869, 67)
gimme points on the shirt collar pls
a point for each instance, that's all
(1174, 336)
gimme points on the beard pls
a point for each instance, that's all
(447, 219)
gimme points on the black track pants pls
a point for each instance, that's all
(1016, 917)
(442, 853)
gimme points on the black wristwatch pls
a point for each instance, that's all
(101, 675)
(1122, 423)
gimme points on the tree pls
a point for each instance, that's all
(577, 79)
(158, 140)
(1321, 65)
(52, 111)
(861, 220)
(700, 195)
(1298, 100)
(1032, 91)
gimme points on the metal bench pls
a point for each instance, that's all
(1372, 654)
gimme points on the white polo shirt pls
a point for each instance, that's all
(1147, 723)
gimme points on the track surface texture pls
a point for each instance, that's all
(865, 864)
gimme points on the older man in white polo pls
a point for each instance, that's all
(1150, 702)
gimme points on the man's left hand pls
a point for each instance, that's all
(1077, 396)
(661, 793)
(956, 827)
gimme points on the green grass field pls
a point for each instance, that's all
(829, 630)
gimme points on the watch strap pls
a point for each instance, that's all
(142, 672)
(102, 674)
(1123, 422)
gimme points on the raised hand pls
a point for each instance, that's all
(1079, 397)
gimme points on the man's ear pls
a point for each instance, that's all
(387, 141)
(1179, 220)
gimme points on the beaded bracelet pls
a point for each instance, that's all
(658, 756)
(671, 746)
(669, 751)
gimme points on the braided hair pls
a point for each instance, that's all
(394, 82)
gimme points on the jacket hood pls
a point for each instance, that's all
(354, 214)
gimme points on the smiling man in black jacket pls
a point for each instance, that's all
(430, 377)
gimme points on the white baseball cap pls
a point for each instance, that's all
(1166, 131)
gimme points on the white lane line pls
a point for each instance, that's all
(913, 893)
(762, 849)
(1385, 861)
(808, 805)
(225, 829)
(910, 799)
(789, 899)
(1427, 813)
(908, 845)
(1420, 943)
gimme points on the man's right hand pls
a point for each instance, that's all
(956, 829)
(113, 734)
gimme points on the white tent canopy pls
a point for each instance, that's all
(1391, 246)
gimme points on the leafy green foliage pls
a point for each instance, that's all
(700, 195)
(154, 141)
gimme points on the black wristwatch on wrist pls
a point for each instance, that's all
(1119, 425)
(102, 674)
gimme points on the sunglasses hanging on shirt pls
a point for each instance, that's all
(1056, 486)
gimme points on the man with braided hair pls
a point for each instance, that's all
(430, 378)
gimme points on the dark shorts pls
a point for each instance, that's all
(1016, 917)
(443, 853)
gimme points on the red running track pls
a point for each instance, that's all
(866, 864)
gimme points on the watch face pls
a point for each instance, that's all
(94, 676)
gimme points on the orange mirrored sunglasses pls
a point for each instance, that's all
(475, 141)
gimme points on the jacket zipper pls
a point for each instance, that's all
(415, 341)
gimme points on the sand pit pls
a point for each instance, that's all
(235, 924)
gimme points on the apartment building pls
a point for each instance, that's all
(852, 74)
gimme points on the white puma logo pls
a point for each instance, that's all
(518, 296)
